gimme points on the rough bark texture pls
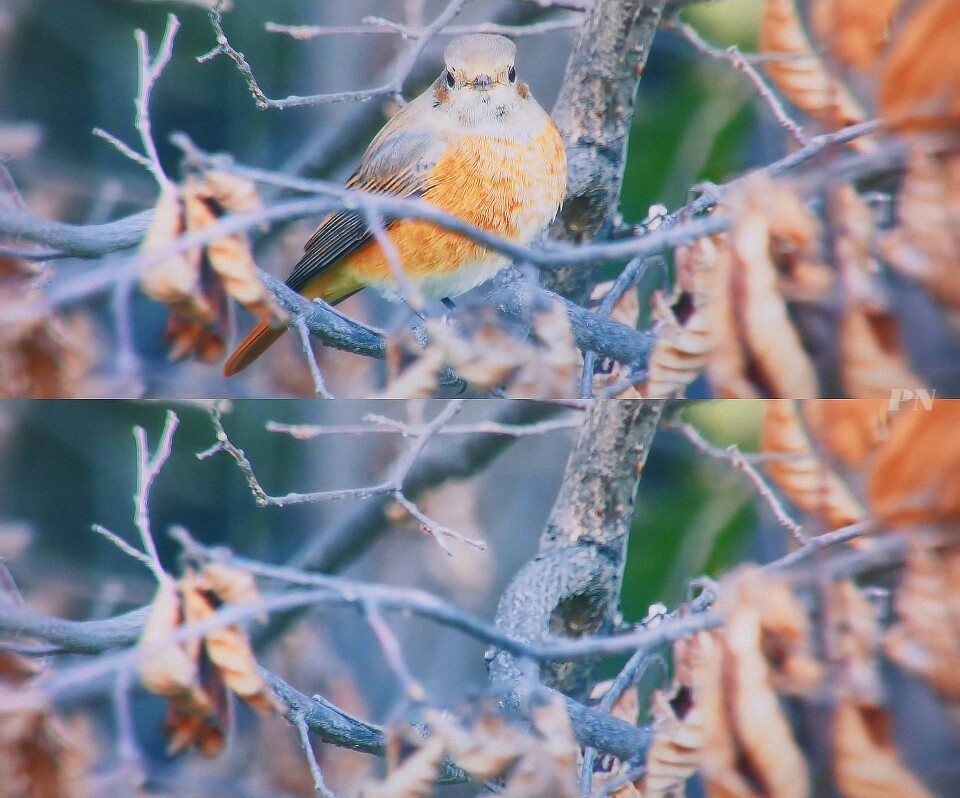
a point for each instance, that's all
(572, 586)
(593, 113)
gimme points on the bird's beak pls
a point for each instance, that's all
(482, 82)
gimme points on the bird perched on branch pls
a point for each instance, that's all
(477, 145)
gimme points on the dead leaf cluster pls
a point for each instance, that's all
(906, 51)
(736, 680)
(770, 256)
(924, 245)
(195, 674)
(39, 756)
(683, 323)
(539, 763)
(47, 355)
(846, 461)
(803, 75)
(196, 282)
(538, 363)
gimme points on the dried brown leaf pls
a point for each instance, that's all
(626, 707)
(684, 334)
(490, 355)
(414, 777)
(674, 754)
(486, 750)
(866, 763)
(768, 748)
(40, 756)
(727, 365)
(549, 766)
(856, 31)
(770, 221)
(872, 362)
(719, 755)
(231, 192)
(926, 637)
(924, 246)
(855, 635)
(804, 77)
(803, 476)
(916, 476)
(172, 278)
(851, 430)
(206, 199)
(231, 585)
(920, 80)
(228, 647)
(46, 355)
(626, 310)
(172, 670)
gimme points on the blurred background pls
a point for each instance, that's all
(67, 465)
(70, 66)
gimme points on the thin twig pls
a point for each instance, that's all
(744, 63)
(766, 492)
(769, 96)
(148, 466)
(631, 673)
(394, 485)
(318, 384)
(392, 88)
(378, 25)
(741, 462)
(393, 653)
(436, 530)
(149, 70)
(632, 274)
(383, 425)
(303, 732)
(125, 547)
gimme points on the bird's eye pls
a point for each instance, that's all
(512, 75)
(451, 80)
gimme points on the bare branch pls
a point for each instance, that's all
(743, 462)
(593, 113)
(392, 88)
(304, 333)
(149, 70)
(148, 466)
(303, 733)
(378, 25)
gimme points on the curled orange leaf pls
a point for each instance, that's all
(924, 246)
(801, 475)
(856, 31)
(916, 476)
(865, 760)
(684, 335)
(771, 221)
(926, 638)
(803, 77)
(920, 80)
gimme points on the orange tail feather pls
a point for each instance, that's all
(254, 345)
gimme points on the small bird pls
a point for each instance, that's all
(477, 145)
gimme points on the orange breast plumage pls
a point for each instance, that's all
(508, 187)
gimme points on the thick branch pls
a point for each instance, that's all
(82, 241)
(82, 637)
(595, 503)
(593, 113)
(572, 587)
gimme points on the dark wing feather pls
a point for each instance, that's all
(399, 164)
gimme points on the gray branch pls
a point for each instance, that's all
(593, 113)
(571, 588)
